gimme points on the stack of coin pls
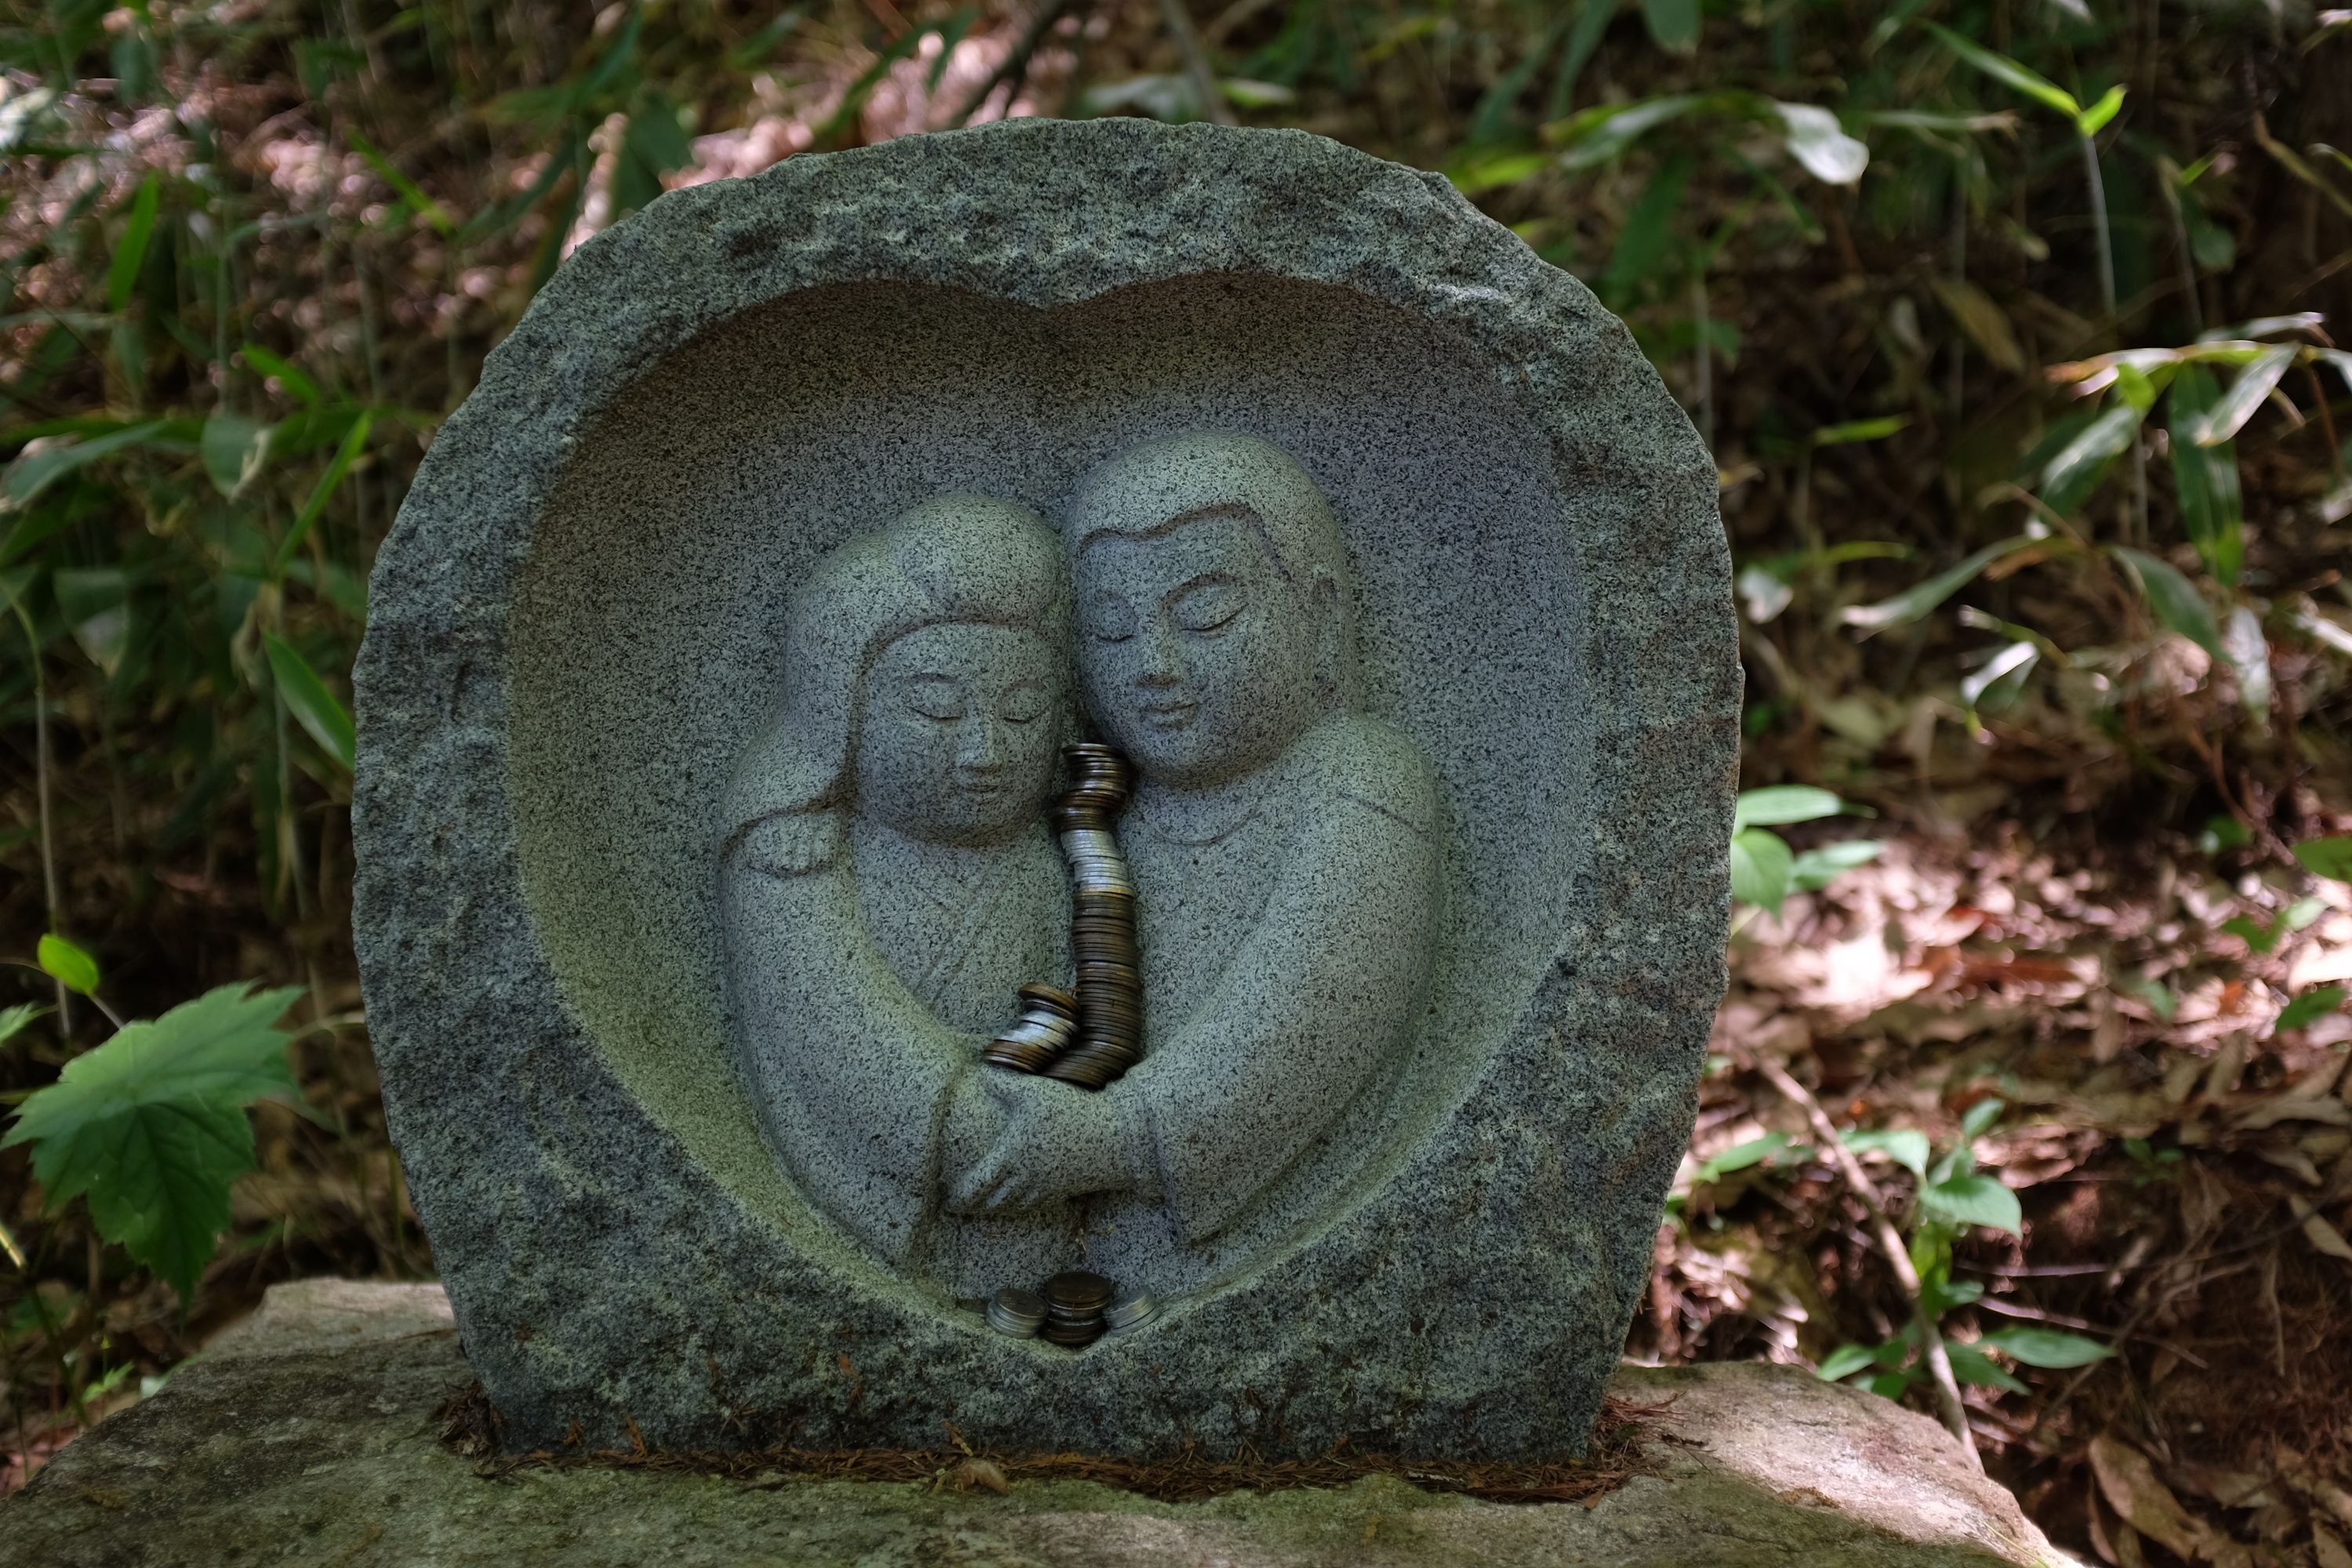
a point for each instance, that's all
(1074, 1308)
(1102, 922)
(1130, 1312)
(1049, 1017)
(1017, 1312)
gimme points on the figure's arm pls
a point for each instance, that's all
(857, 1081)
(1315, 1003)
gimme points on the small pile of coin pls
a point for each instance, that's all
(1018, 1312)
(1074, 1308)
(1102, 922)
(1130, 1312)
(1049, 1018)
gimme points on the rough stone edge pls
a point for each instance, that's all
(1659, 662)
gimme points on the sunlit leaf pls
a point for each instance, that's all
(2093, 120)
(1815, 139)
(45, 461)
(2329, 858)
(1780, 804)
(66, 964)
(1906, 1146)
(1597, 135)
(1922, 597)
(1974, 1199)
(1985, 322)
(2230, 411)
(1971, 1365)
(2069, 478)
(233, 448)
(2174, 600)
(1741, 1156)
(1845, 1362)
(1855, 430)
(1817, 868)
(1761, 863)
(2049, 1348)
(1999, 675)
(2250, 658)
(312, 705)
(289, 376)
(2205, 477)
(2310, 1008)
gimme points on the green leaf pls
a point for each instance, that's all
(68, 964)
(2308, 1008)
(1815, 140)
(122, 272)
(2044, 1347)
(151, 1126)
(1599, 134)
(1855, 430)
(2001, 676)
(1906, 1146)
(1777, 804)
(424, 207)
(1673, 24)
(289, 376)
(2001, 69)
(44, 462)
(338, 466)
(1817, 868)
(2069, 478)
(2093, 120)
(1971, 1364)
(1979, 1116)
(1922, 597)
(232, 447)
(2329, 858)
(1845, 1362)
(1975, 1199)
(1760, 868)
(2250, 658)
(2205, 477)
(312, 705)
(2174, 600)
(2257, 937)
(13, 1020)
(653, 144)
(1741, 1156)
(2230, 413)
(2155, 993)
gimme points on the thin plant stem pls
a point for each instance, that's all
(1704, 368)
(1898, 1256)
(41, 770)
(2095, 185)
(1196, 62)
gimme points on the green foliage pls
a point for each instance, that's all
(150, 1126)
(69, 965)
(2330, 857)
(1764, 869)
(2310, 1008)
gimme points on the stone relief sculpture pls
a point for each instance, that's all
(887, 882)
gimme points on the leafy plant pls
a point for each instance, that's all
(1764, 869)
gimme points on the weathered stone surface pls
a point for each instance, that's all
(309, 1438)
(1420, 1213)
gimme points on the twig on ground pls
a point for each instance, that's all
(1890, 1242)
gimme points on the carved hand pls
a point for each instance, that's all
(1058, 1142)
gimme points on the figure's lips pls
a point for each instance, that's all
(984, 788)
(1168, 716)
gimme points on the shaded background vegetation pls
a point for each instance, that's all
(2030, 426)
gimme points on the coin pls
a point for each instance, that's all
(1131, 1311)
(1017, 1312)
(1078, 1290)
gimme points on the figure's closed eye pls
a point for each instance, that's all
(1110, 618)
(1024, 701)
(1209, 605)
(935, 696)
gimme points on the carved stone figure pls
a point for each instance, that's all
(888, 882)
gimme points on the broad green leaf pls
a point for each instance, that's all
(2308, 1008)
(2230, 413)
(1906, 1146)
(2205, 477)
(1979, 1116)
(1920, 598)
(1971, 1365)
(1778, 803)
(2258, 937)
(289, 376)
(68, 964)
(2069, 478)
(1817, 868)
(122, 272)
(2329, 858)
(233, 448)
(2174, 600)
(312, 705)
(1974, 1199)
(1815, 139)
(1760, 867)
(354, 439)
(151, 1126)
(2050, 1347)
(2001, 69)
(1845, 1362)
(2093, 120)
(1673, 24)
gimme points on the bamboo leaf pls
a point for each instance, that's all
(1779, 803)
(313, 706)
(2071, 476)
(2229, 414)
(1815, 139)
(2205, 477)
(1920, 598)
(122, 272)
(2001, 69)
(1673, 24)
(2093, 120)
(2174, 600)
(337, 466)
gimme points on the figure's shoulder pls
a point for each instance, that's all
(1372, 764)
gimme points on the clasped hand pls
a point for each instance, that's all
(1054, 1142)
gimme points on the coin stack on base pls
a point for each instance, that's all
(1130, 1312)
(1018, 1312)
(1074, 1308)
(1049, 1019)
(1102, 923)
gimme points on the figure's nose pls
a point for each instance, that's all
(979, 747)
(1163, 664)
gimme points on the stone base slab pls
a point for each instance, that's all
(310, 1435)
